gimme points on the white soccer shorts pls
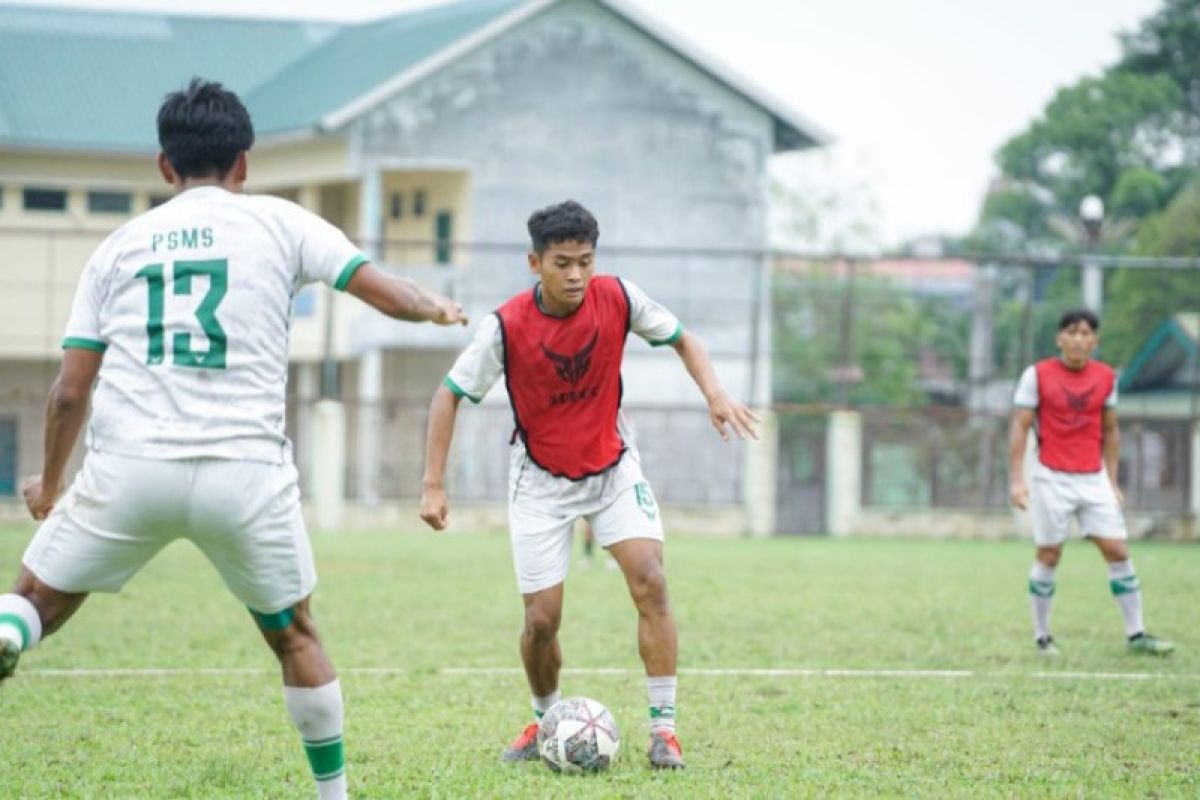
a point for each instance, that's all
(120, 511)
(1057, 497)
(541, 538)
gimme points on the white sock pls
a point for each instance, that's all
(543, 704)
(317, 714)
(661, 691)
(19, 621)
(1127, 591)
(1041, 592)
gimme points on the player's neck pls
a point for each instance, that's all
(1076, 366)
(540, 298)
(207, 182)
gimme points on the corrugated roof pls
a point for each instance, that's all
(93, 81)
(87, 80)
(360, 58)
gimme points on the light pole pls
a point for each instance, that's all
(1091, 211)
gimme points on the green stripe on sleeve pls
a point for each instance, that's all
(348, 271)
(79, 343)
(459, 391)
(672, 339)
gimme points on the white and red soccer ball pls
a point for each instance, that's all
(578, 735)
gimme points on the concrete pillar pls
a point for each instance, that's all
(980, 364)
(1194, 497)
(843, 472)
(370, 424)
(328, 466)
(1093, 284)
(760, 479)
(306, 395)
(309, 197)
(370, 367)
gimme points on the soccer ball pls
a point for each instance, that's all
(578, 735)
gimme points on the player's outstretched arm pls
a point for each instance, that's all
(66, 409)
(443, 411)
(402, 299)
(721, 410)
(1018, 433)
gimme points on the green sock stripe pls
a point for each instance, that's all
(1127, 585)
(20, 625)
(273, 622)
(1041, 588)
(327, 759)
(539, 714)
(331, 776)
(661, 712)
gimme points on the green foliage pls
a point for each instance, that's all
(1168, 43)
(891, 330)
(414, 607)
(1140, 298)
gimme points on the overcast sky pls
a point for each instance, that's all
(917, 93)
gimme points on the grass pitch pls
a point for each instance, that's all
(905, 668)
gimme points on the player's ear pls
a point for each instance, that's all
(165, 168)
(240, 169)
(534, 262)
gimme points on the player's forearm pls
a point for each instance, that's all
(412, 303)
(1112, 452)
(65, 413)
(443, 411)
(699, 366)
(1018, 434)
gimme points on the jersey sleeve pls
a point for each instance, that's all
(1111, 400)
(84, 325)
(1026, 395)
(326, 254)
(478, 367)
(649, 319)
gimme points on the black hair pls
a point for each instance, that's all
(1073, 315)
(203, 128)
(564, 222)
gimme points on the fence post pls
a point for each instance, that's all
(1194, 496)
(760, 477)
(327, 460)
(843, 465)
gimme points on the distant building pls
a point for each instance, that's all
(429, 137)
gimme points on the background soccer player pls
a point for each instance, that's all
(559, 347)
(183, 313)
(1072, 401)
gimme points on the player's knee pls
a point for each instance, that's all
(297, 635)
(541, 625)
(649, 587)
(1049, 555)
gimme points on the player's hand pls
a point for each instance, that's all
(38, 498)
(722, 412)
(433, 508)
(1018, 494)
(449, 312)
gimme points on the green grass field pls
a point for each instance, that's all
(424, 629)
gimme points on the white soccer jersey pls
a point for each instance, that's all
(481, 365)
(191, 304)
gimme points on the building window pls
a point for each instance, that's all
(419, 203)
(157, 200)
(109, 202)
(37, 199)
(1, 197)
(397, 205)
(444, 232)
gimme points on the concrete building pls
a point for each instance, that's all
(429, 137)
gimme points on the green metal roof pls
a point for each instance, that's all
(93, 81)
(84, 80)
(1166, 359)
(361, 58)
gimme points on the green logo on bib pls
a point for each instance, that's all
(645, 500)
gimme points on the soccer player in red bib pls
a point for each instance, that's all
(559, 348)
(1071, 401)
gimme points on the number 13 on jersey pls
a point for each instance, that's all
(182, 353)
